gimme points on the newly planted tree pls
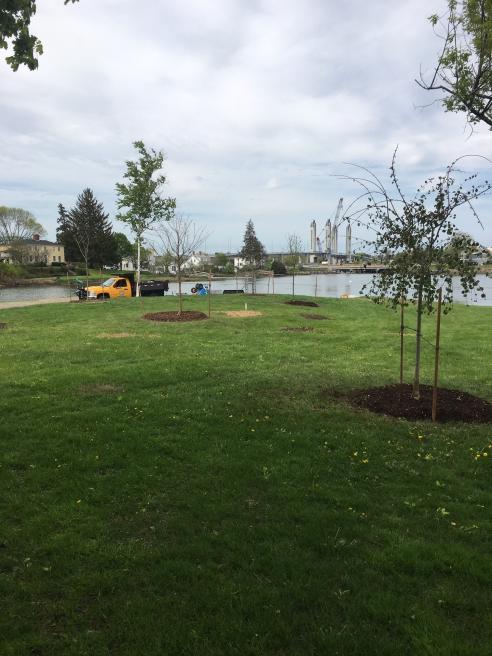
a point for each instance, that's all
(419, 241)
(140, 198)
(253, 252)
(179, 237)
(294, 247)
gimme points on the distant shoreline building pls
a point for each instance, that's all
(32, 251)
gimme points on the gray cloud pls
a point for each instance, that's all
(256, 105)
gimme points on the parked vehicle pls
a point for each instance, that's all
(122, 285)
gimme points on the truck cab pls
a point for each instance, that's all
(122, 286)
(114, 287)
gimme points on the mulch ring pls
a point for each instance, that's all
(396, 401)
(303, 303)
(315, 317)
(188, 315)
(297, 329)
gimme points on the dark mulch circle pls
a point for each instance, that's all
(303, 303)
(298, 329)
(3, 325)
(189, 315)
(396, 401)
(314, 317)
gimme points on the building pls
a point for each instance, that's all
(32, 251)
(198, 261)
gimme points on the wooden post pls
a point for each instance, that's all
(209, 293)
(436, 361)
(402, 332)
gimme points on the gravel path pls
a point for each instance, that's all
(40, 301)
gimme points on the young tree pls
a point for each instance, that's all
(17, 224)
(141, 196)
(180, 237)
(294, 246)
(15, 22)
(413, 237)
(253, 250)
(87, 223)
(463, 73)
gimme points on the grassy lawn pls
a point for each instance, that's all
(202, 488)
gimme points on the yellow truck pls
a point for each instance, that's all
(122, 285)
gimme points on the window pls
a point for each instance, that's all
(121, 283)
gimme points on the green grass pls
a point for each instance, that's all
(199, 488)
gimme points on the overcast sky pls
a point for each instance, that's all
(256, 103)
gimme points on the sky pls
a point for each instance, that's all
(259, 106)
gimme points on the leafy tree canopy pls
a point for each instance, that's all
(221, 259)
(463, 73)
(140, 198)
(17, 224)
(15, 25)
(124, 247)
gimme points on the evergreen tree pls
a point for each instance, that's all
(253, 250)
(65, 236)
(87, 223)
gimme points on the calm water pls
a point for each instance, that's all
(327, 285)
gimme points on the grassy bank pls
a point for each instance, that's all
(202, 488)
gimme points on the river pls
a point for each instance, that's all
(324, 285)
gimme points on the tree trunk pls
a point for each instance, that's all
(137, 290)
(416, 378)
(87, 276)
(180, 299)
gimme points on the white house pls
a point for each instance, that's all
(198, 260)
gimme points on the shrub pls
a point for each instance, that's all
(9, 272)
(278, 267)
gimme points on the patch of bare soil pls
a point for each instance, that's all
(115, 335)
(188, 315)
(298, 329)
(243, 313)
(100, 389)
(397, 401)
(314, 317)
(303, 303)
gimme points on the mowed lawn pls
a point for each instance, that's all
(203, 488)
